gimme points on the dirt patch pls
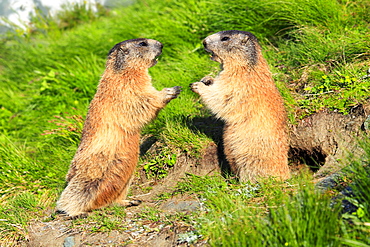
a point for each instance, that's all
(136, 232)
(207, 164)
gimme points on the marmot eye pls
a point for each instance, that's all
(143, 44)
(225, 38)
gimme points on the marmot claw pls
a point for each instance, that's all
(130, 203)
(172, 92)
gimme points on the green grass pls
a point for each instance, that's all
(318, 52)
(291, 213)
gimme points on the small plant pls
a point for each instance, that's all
(159, 165)
(188, 237)
(151, 214)
(338, 92)
(333, 84)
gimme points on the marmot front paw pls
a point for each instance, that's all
(172, 92)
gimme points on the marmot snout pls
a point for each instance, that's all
(246, 98)
(125, 101)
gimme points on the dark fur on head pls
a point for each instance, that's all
(121, 44)
(120, 51)
(232, 43)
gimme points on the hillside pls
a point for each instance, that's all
(319, 54)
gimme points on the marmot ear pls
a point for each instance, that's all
(245, 41)
(120, 59)
(250, 49)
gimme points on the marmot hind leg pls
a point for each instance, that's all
(121, 199)
(80, 197)
(76, 200)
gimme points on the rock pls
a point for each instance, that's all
(181, 206)
(69, 241)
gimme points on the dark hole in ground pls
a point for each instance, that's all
(147, 144)
(314, 159)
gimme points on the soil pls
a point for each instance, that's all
(137, 231)
(320, 141)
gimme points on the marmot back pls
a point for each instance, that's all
(245, 97)
(125, 101)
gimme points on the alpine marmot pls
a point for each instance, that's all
(125, 101)
(244, 95)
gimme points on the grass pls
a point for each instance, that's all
(318, 52)
(291, 213)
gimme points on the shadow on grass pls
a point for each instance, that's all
(212, 128)
(147, 144)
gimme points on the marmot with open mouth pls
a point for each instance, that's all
(244, 96)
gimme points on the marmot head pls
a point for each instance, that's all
(134, 53)
(236, 47)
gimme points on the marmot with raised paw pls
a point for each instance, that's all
(244, 96)
(125, 101)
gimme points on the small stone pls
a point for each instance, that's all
(181, 206)
(367, 123)
(69, 241)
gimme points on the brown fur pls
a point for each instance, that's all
(246, 98)
(125, 101)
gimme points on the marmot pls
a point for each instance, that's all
(244, 96)
(125, 101)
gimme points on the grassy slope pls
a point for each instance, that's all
(47, 81)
